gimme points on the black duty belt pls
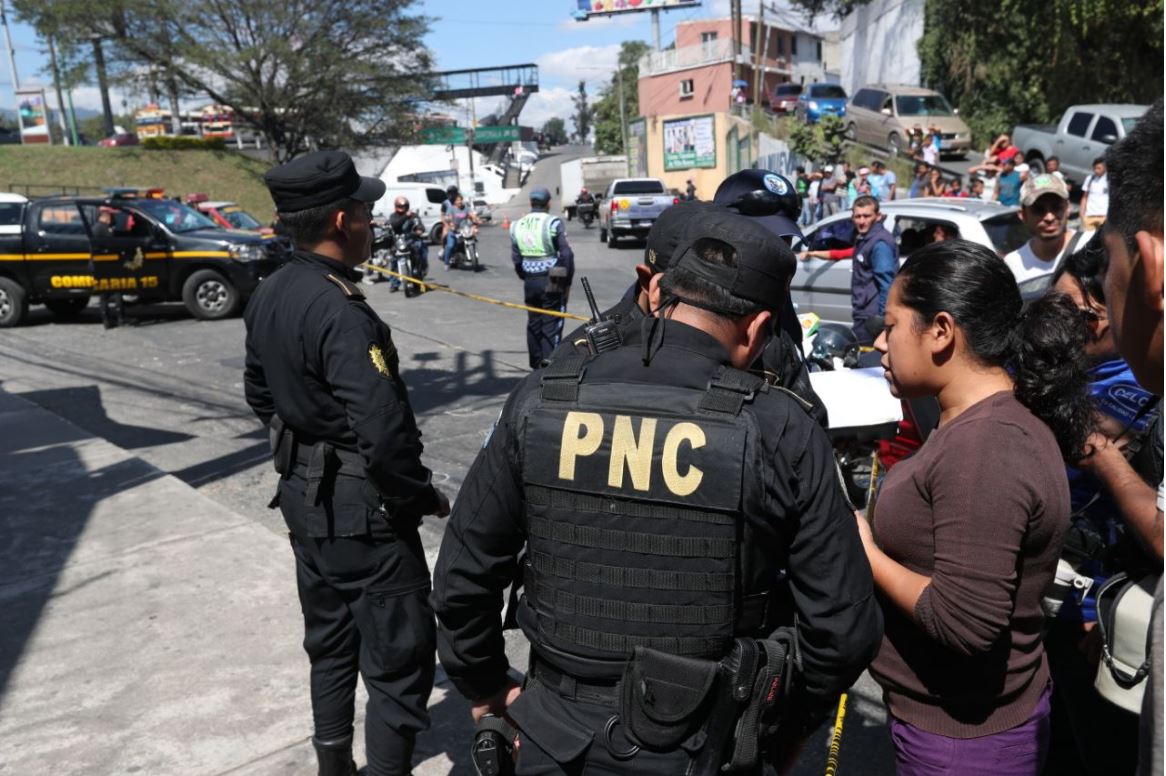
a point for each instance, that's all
(319, 463)
(606, 693)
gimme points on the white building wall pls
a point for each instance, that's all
(878, 44)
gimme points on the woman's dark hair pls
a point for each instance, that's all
(1088, 267)
(1043, 346)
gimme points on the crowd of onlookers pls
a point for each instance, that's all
(998, 178)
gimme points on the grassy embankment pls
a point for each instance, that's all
(221, 174)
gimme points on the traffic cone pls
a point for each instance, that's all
(506, 222)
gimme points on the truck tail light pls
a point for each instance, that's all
(614, 205)
(676, 200)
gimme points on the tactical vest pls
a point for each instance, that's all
(534, 234)
(864, 293)
(635, 515)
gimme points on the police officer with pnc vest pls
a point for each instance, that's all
(678, 516)
(322, 372)
(546, 264)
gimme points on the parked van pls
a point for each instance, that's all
(424, 200)
(882, 115)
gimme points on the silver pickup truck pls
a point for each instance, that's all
(630, 206)
(1084, 133)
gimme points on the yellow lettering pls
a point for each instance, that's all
(637, 454)
(55, 281)
(681, 484)
(573, 445)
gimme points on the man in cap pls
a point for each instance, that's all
(546, 264)
(676, 510)
(323, 374)
(1044, 209)
(770, 200)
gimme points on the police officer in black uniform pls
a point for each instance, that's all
(676, 512)
(322, 372)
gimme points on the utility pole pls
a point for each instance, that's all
(623, 120)
(736, 24)
(67, 132)
(758, 73)
(11, 65)
(655, 29)
(103, 86)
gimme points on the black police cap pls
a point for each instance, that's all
(317, 179)
(668, 231)
(765, 265)
(763, 195)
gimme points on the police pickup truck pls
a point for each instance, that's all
(58, 251)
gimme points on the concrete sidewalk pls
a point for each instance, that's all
(143, 627)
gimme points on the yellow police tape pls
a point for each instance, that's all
(836, 738)
(475, 297)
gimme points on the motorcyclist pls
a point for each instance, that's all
(585, 203)
(405, 221)
(453, 217)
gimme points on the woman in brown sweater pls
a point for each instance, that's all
(968, 531)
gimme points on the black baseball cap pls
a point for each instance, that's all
(317, 179)
(667, 232)
(768, 198)
(765, 265)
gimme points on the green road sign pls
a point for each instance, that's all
(443, 136)
(496, 134)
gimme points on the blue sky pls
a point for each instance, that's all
(462, 35)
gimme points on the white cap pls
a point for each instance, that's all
(1022, 167)
(829, 168)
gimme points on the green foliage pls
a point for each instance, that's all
(821, 143)
(583, 113)
(555, 131)
(305, 73)
(608, 130)
(1026, 61)
(835, 8)
(184, 143)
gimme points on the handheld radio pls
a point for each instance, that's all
(602, 333)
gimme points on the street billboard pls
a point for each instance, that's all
(690, 142)
(33, 115)
(588, 8)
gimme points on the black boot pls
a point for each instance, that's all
(335, 757)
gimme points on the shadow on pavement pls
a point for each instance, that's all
(82, 406)
(430, 388)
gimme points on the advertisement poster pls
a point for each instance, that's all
(586, 8)
(638, 148)
(33, 116)
(689, 143)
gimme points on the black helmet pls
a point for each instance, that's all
(834, 340)
(451, 192)
(763, 194)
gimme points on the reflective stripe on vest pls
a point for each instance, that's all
(534, 234)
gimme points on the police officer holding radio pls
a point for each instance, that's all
(677, 514)
(323, 374)
(546, 264)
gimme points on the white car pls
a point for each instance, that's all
(822, 286)
(11, 212)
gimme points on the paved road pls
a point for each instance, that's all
(169, 390)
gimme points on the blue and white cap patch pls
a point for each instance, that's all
(775, 184)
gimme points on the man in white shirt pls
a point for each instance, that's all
(1044, 209)
(1095, 196)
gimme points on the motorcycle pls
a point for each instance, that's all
(586, 212)
(382, 254)
(465, 248)
(406, 263)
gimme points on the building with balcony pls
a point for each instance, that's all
(697, 74)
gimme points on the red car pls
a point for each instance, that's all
(120, 139)
(784, 97)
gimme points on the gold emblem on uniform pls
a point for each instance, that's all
(137, 261)
(380, 359)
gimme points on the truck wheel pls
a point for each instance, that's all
(435, 234)
(852, 132)
(67, 309)
(209, 296)
(602, 234)
(13, 303)
(1036, 165)
(894, 144)
(611, 238)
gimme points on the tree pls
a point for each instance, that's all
(305, 73)
(583, 113)
(821, 143)
(608, 128)
(555, 131)
(1028, 60)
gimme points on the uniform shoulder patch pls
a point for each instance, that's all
(380, 358)
(351, 290)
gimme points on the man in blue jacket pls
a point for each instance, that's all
(876, 260)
